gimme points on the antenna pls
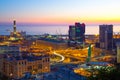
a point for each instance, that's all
(60, 33)
(56, 34)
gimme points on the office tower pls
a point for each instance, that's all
(72, 32)
(77, 32)
(106, 36)
(118, 52)
(80, 32)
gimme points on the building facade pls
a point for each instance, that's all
(106, 36)
(77, 32)
(72, 32)
(118, 52)
(17, 66)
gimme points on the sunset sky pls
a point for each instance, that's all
(60, 12)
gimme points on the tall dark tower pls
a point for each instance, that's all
(72, 33)
(80, 32)
(77, 32)
(106, 36)
(14, 26)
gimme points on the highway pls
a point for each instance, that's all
(62, 57)
(78, 55)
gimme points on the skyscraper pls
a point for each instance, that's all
(80, 32)
(77, 32)
(118, 52)
(106, 36)
(72, 32)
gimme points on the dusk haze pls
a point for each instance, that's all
(60, 12)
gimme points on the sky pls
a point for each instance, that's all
(60, 12)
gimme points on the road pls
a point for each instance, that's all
(62, 57)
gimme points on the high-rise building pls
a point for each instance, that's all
(106, 36)
(80, 32)
(118, 52)
(72, 32)
(77, 32)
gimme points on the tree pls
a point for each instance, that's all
(105, 73)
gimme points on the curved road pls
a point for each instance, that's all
(62, 57)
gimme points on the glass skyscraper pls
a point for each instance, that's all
(106, 36)
(77, 32)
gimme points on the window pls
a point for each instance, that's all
(29, 67)
(48, 60)
(25, 62)
(19, 63)
(22, 62)
(43, 61)
(39, 66)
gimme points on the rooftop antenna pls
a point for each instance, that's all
(60, 33)
(56, 34)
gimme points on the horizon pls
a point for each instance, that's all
(62, 12)
(41, 24)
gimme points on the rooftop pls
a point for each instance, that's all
(99, 63)
(29, 57)
(52, 40)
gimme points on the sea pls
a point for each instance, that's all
(53, 30)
